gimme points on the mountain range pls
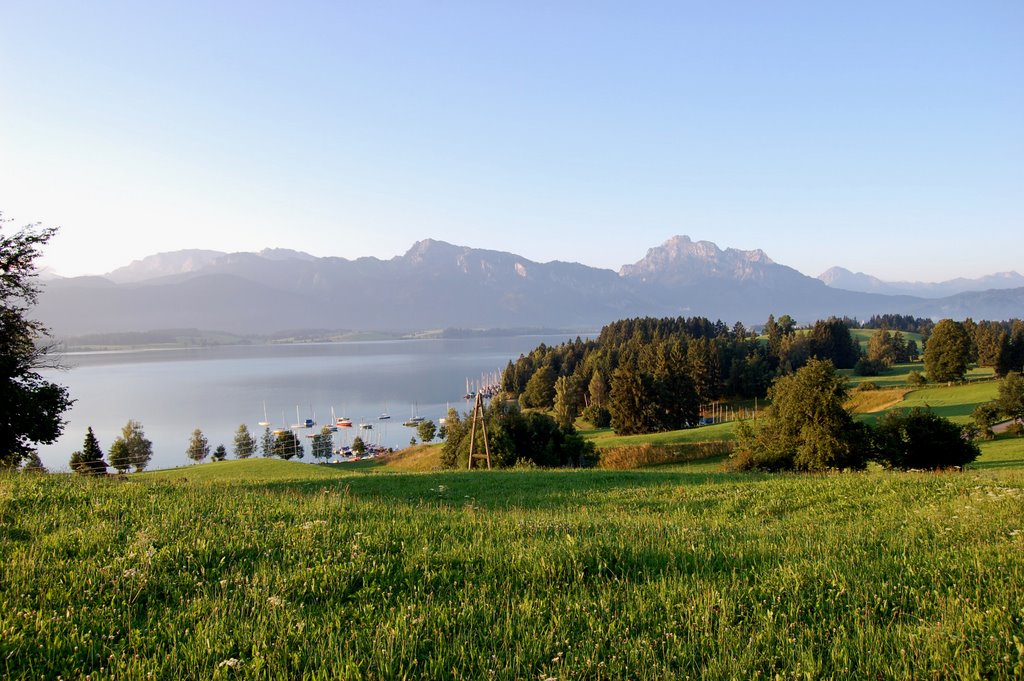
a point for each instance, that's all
(437, 285)
(839, 277)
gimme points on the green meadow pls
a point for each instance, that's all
(270, 569)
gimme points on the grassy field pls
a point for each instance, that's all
(606, 437)
(264, 569)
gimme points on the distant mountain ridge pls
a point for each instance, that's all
(437, 285)
(842, 278)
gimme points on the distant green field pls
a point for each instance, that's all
(657, 574)
(249, 470)
(955, 402)
(606, 437)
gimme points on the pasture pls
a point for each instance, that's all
(268, 569)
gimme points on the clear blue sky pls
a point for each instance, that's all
(887, 137)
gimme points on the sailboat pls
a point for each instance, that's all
(265, 422)
(384, 415)
(414, 420)
(277, 432)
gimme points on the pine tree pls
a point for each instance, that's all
(89, 461)
(267, 443)
(322, 446)
(245, 443)
(287, 446)
(220, 453)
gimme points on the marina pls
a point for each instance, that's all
(173, 392)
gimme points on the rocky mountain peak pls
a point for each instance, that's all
(680, 259)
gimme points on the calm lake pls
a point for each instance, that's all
(173, 392)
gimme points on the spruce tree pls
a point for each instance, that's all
(245, 443)
(89, 461)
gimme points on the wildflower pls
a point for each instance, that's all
(230, 663)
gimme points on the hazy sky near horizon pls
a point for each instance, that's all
(885, 137)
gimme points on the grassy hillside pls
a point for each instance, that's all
(513, 575)
(248, 470)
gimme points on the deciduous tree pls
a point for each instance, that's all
(426, 430)
(131, 448)
(31, 408)
(198, 446)
(806, 427)
(948, 352)
(921, 439)
(1011, 395)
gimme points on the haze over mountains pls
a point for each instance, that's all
(839, 277)
(437, 285)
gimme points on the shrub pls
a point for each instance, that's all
(868, 367)
(916, 378)
(599, 417)
(867, 386)
(921, 439)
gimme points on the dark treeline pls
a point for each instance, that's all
(900, 322)
(646, 375)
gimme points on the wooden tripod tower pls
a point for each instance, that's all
(478, 414)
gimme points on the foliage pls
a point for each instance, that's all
(632, 402)
(1011, 351)
(985, 416)
(220, 453)
(198, 446)
(267, 443)
(513, 435)
(118, 458)
(597, 416)
(89, 460)
(948, 352)
(245, 442)
(806, 427)
(920, 439)
(426, 430)
(1011, 395)
(322, 445)
(540, 389)
(132, 448)
(916, 378)
(597, 389)
(888, 348)
(358, 446)
(288, 446)
(567, 400)
(830, 339)
(31, 408)
(899, 322)
(868, 367)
